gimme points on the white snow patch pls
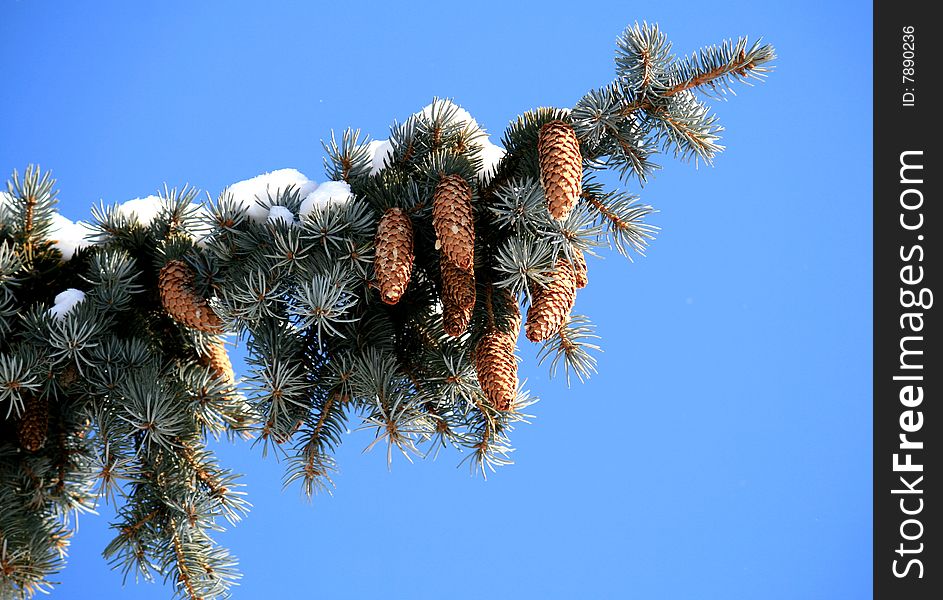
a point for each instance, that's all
(65, 302)
(335, 193)
(379, 151)
(491, 155)
(460, 113)
(246, 193)
(280, 213)
(143, 209)
(68, 236)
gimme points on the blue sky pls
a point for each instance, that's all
(724, 450)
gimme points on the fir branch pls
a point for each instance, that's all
(715, 68)
(132, 529)
(349, 160)
(712, 70)
(643, 53)
(183, 570)
(490, 447)
(322, 419)
(313, 465)
(291, 276)
(633, 152)
(623, 218)
(33, 199)
(687, 129)
(571, 346)
(521, 264)
(220, 488)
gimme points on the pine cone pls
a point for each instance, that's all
(175, 283)
(458, 285)
(455, 319)
(31, 430)
(579, 269)
(496, 366)
(394, 254)
(561, 167)
(454, 221)
(217, 359)
(551, 304)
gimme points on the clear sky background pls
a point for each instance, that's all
(724, 449)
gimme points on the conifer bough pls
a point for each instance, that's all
(390, 295)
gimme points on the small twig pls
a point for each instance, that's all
(741, 66)
(604, 211)
(130, 530)
(181, 564)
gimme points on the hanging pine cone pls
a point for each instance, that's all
(217, 359)
(455, 319)
(552, 303)
(454, 221)
(561, 167)
(458, 285)
(579, 269)
(458, 297)
(496, 367)
(31, 430)
(175, 283)
(394, 254)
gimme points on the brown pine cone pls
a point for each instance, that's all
(455, 318)
(552, 303)
(458, 285)
(454, 221)
(579, 269)
(496, 367)
(394, 254)
(217, 359)
(561, 167)
(31, 430)
(175, 283)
